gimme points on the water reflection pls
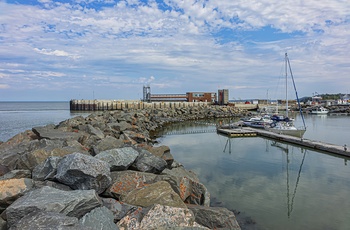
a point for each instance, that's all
(290, 196)
(280, 186)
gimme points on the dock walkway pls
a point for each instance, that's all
(317, 145)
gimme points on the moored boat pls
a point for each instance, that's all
(319, 110)
(286, 126)
(258, 121)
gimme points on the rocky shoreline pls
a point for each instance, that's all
(102, 172)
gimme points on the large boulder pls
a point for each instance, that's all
(46, 170)
(3, 224)
(119, 158)
(71, 203)
(53, 184)
(12, 189)
(147, 162)
(12, 151)
(106, 144)
(190, 189)
(157, 193)
(99, 218)
(17, 174)
(21, 138)
(160, 217)
(214, 217)
(164, 153)
(48, 220)
(126, 181)
(119, 209)
(39, 151)
(95, 131)
(84, 172)
(3, 170)
(52, 133)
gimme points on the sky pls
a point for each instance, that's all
(95, 49)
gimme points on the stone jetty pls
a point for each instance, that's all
(103, 172)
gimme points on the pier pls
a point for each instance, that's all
(317, 145)
(103, 105)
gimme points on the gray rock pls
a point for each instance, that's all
(161, 217)
(181, 172)
(164, 153)
(147, 162)
(80, 171)
(214, 217)
(123, 125)
(17, 174)
(119, 158)
(95, 131)
(126, 181)
(71, 203)
(12, 189)
(3, 224)
(156, 193)
(48, 220)
(119, 209)
(99, 218)
(53, 184)
(199, 194)
(49, 132)
(46, 170)
(106, 144)
(3, 170)
(10, 154)
(132, 220)
(39, 151)
(72, 122)
(135, 137)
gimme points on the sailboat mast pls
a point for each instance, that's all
(296, 92)
(286, 69)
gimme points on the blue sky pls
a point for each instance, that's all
(62, 50)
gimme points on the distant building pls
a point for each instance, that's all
(201, 97)
(169, 97)
(189, 97)
(223, 96)
(147, 93)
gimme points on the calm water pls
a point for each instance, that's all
(16, 117)
(279, 186)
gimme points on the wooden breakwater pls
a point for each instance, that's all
(103, 105)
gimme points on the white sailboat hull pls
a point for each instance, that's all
(288, 131)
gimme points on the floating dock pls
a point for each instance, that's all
(239, 132)
(317, 145)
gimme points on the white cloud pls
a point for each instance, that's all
(58, 53)
(191, 43)
(4, 86)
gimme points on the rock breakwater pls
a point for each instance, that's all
(102, 172)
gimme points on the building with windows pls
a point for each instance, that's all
(188, 97)
(201, 97)
(223, 98)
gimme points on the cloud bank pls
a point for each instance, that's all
(113, 47)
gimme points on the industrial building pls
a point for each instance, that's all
(188, 97)
(223, 97)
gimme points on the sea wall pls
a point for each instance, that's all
(102, 172)
(102, 105)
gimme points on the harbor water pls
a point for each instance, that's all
(273, 185)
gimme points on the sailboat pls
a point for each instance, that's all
(286, 126)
